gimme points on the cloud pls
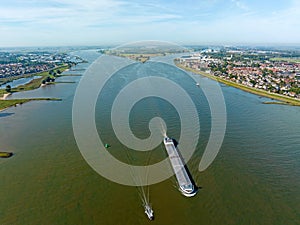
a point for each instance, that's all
(59, 22)
(83, 13)
(240, 4)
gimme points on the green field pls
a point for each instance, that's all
(45, 74)
(34, 84)
(8, 103)
(291, 60)
(15, 102)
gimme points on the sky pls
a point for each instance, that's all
(105, 22)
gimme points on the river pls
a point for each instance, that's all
(18, 82)
(255, 178)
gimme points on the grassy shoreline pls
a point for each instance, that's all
(283, 99)
(4, 104)
(34, 84)
(69, 75)
(62, 68)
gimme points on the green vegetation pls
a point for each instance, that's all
(8, 103)
(244, 55)
(2, 92)
(69, 75)
(275, 103)
(57, 72)
(8, 88)
(295, 89)
(138, 57)
(6, 154)
(9, 79)
(64, 82)
(36, 83)
(284, 99)
(52, 74)
(287, 59)
(14, 102)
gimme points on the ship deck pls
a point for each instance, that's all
(181, 174)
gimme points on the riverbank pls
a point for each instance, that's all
(283, 99)
(69, 75)
(4, 104)
(35, 83)
(60, 68)
(139, 57)
(5, 96)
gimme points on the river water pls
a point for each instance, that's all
(18, 82)
(255, 178)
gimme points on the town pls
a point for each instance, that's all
(15, 65)
(271, 70)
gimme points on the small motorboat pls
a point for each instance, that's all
(149, 211)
